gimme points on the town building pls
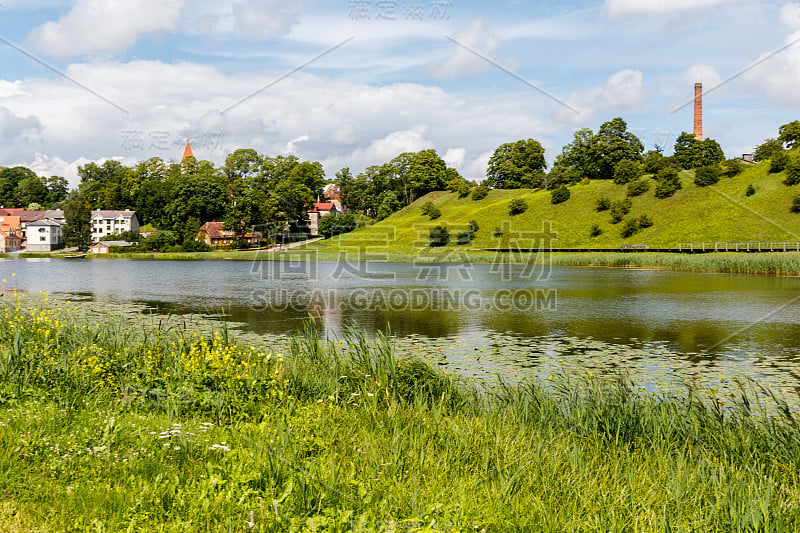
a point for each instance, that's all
(320, 209)
(9, 241)
(44, 236)
(108, 223)
(103, 247)
(214, 234)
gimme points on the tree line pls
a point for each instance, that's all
(271, 193)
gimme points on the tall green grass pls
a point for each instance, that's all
(119, 426)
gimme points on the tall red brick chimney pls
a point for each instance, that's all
(698, 111)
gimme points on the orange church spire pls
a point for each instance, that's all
(187, 152)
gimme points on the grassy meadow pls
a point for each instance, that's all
(114, 424)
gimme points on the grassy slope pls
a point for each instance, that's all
(694, 214)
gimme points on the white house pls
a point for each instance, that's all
(107, 223)
(44, 235)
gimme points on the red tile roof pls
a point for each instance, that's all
(321, 206)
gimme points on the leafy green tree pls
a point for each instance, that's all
(638, 187)
(30, 190)
(653, 161)
(611, 144)
(427, 172)
(479, 193)
(795, 205)
(560, 195)
(778, 162)
(198, 198)
(430, 209)
(161, 240)
(707, 175)
(627, 171)
(517, 165)
(691, 153)
(596, 231)
(389, 203)
(57, 190)
(439, 236)
(767, 150)
(574, 161)
(517, 206)
(603, 204)
(619, 209)
(459, 185)
(78, 217)
(789, 134)
(10, 178)
(750, 191)
(793, 171)
(732, 167)
(667, 183)
(330, 226)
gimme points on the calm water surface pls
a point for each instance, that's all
(463, 314)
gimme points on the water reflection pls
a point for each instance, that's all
(690, 312)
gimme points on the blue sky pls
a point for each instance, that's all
(354, 83)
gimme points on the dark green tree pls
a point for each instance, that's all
(560, 195)
(31, 190)
(627, 171)
(517, 206)
(517, 165)
(789, 134)
(767, 150)
(611, 144)
(667, 183)
(78, 216)
(691, 153)
(707, 175)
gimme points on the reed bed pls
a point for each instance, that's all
(116, 425)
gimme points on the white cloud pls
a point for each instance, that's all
(623, 90)
(335, 121)
(263, 18)
(623, 8)
(291, 146)
(463, 62)
(394, 144)
(790, 15)
(777, 75)
(105, 26)
(455, 157)
(705, 74)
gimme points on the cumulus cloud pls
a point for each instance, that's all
(263, 18)
(623, 8)
(463, 62)
(17, 133)
(777, 73)
(700, 73)
(105, 26)
(338, 122)
(621, 91)
(790, 15)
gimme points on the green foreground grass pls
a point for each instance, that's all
(159, 426)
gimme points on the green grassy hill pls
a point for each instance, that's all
(694, 214)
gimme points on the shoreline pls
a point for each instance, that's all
(764, 264)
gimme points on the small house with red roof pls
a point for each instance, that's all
(320, 209)
(214, 234)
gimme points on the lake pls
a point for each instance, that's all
(479, 320)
